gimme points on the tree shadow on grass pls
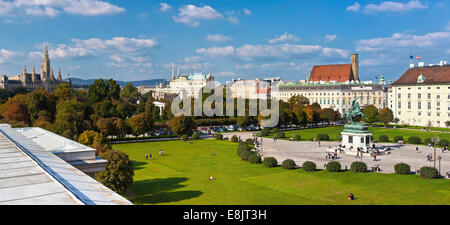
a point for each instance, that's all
(161, 190)
(139, 165)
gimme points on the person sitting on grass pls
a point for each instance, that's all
(211, 178)
(351, 197)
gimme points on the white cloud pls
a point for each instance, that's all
(164, 7)
(284, 51)
(355, 7)
(193, 59)
(7, 55)
(389, 6)
(330, 37)
(245, 66)
(196, 66)
(247, 12)
(448, 26)
(218, 38)
(52, 8)
(233, 20)
(404, 40)
(225, 74)
(191, 14)
(122, 44)
(64, 51)
(217, 51)
(286, 37)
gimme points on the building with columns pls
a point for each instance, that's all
(32, 81)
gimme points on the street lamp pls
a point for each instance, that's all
(435, 140)
(439, 158)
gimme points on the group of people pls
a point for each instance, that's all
(429, 157)
(332, 156)
(149, 156)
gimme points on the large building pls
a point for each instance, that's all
(38, 167)
(253, 89)
(421, 96)
(337, 96)
(336, 72)
(33, 81)
(185, 85)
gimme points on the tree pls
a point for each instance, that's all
(447, 123)
(182, 125)
(386, 116)
(101, 90)
(328, 115)
(15, 111)
(371, 112)
(94, 140)
(71, 115)
(298, 101)
(120, 128)
(105, 126)
(301, 116)
(129, 92)
(140, 123)
(119, 172)
(64, 91)
(312, 116)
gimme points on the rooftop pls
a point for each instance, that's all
(337, 72)
(431, 74)
(31, 174)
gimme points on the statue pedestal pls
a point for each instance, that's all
(354, 136)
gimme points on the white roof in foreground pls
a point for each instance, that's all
(31, 175)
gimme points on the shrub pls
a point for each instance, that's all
(184, 137)
(429, 172)
(358, 167)
(234, 139)
(245, 155)
(402, 168)
(270, 162)
(254, 158)
(250, 141)
(323, 137)
(334, 166)
(427, 141)
(219, 136)
(280, 135)
(443, 143)
(265, 132)
(414, 140)
(288, 164)
(275, 130)
(398, 138)
(195, 136)
(383, 138)
(244, 146)
(309, 166)
(297, 137)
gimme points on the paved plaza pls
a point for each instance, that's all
(301, 151)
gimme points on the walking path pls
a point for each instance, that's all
(301, 151)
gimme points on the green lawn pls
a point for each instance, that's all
(308, 134)
(181, 177)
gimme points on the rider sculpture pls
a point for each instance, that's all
(354, 112)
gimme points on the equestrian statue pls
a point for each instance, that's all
(354, 112)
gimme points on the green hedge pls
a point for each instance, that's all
(219, 136)
(297, 137)
(275, 130)
(270, 162)
(414, 140)
(443, 142)
(383, 138)
(402, 168)
(245, 155)
(358, 167)
(254, 158)
(280, 135)
(265, 132)
(398, 138)
(250, 141)
(184, 137)
(234, 139)
(288, 164)
(333, 166)
(195, 136)
(429, 172)
(427, 141)
(309, 166)
(323, 137)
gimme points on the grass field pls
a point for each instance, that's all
(181, 177)
(308, 134)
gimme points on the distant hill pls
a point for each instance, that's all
(136, 83)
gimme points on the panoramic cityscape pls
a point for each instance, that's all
(224, 103)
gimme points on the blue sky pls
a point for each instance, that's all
(134, 40)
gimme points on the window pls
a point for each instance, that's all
(350, 139)
(438, 105)
(429, 105)
(409, 105)
(419, 105)
(419, 96)
(362, 139)
(399, 105)
(419, 113)
(429, 96)
(409, 95)
(438, 114)
(438, 96)
(399, 96)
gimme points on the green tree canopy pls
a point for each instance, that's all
(371, 112)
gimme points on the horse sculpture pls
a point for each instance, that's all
(354, 111)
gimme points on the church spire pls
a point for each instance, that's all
(173, 72)
(178, 73)
(45, 67)
(59, 75)
(33, 75)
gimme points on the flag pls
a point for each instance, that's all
(417, 57)
(411, 57)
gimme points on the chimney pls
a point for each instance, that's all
(355, 66)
